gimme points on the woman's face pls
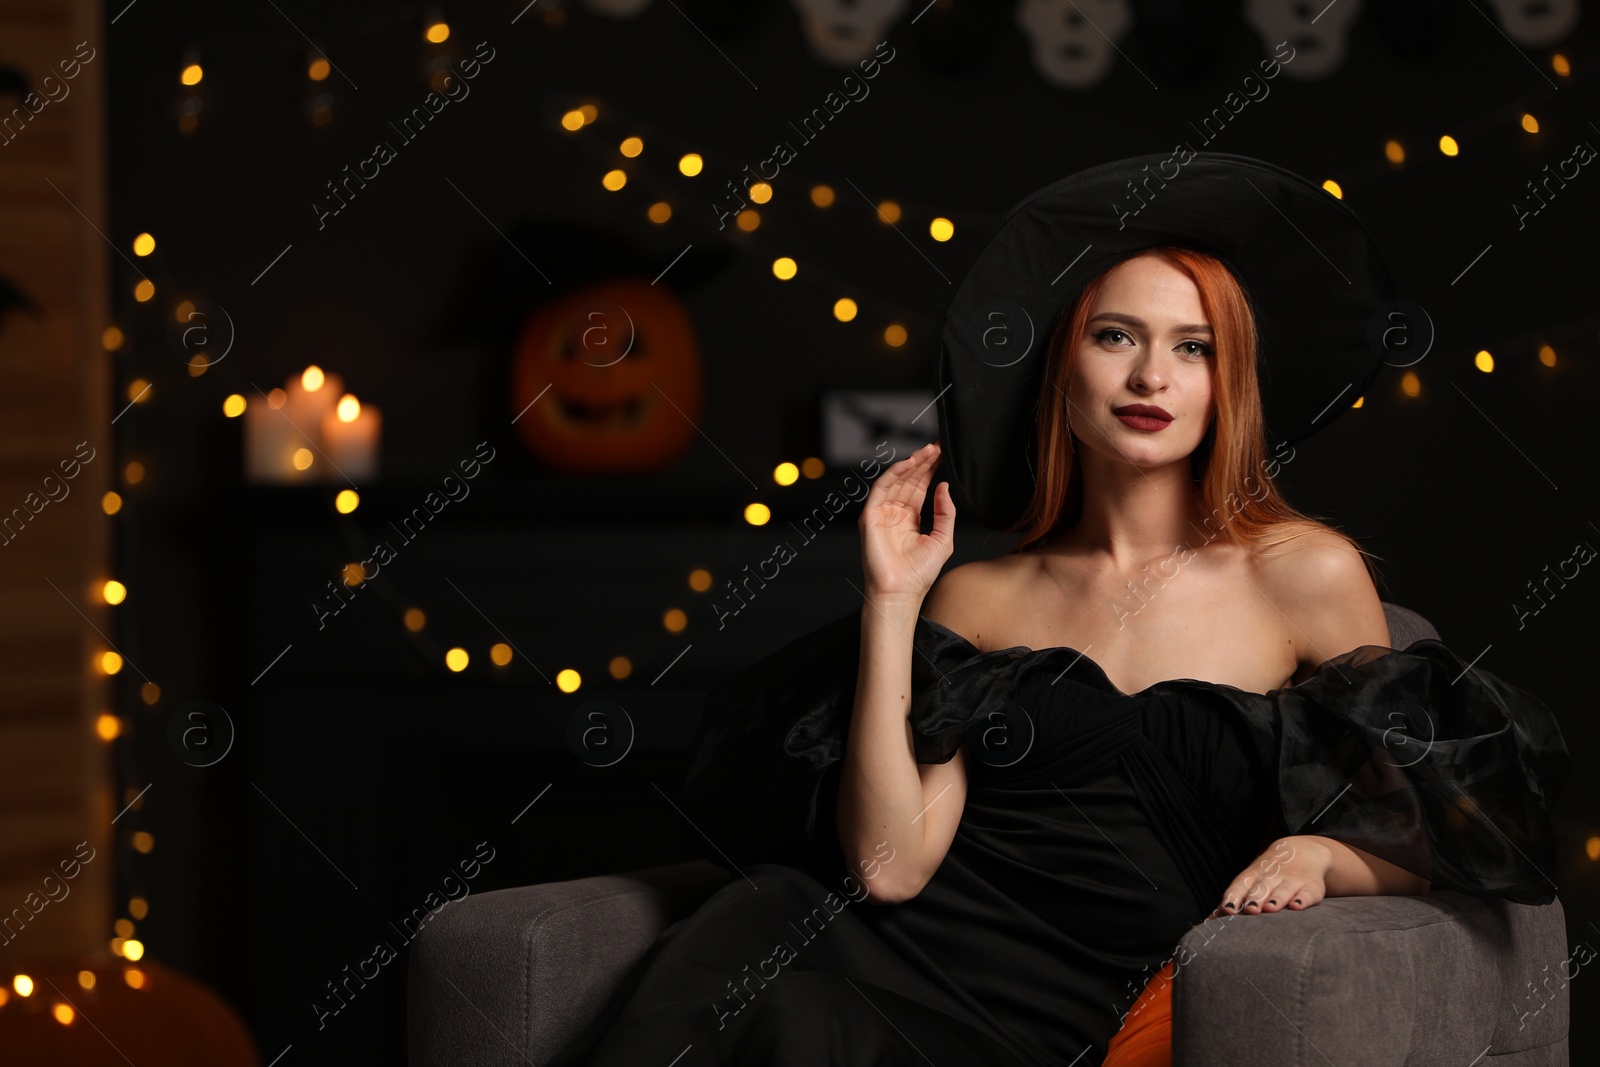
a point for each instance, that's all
(1146, 343)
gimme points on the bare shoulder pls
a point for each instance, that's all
(961, 597)
(1319, 579)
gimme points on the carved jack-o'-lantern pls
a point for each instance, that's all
(607, 379)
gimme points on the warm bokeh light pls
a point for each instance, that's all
(589, 112)
(192, 74)
(347, 501)
(674, 620)
(133, 473)
(302, 459)
(184, 311)
(691, 164)
(317, 70)
(277, 398)
(110, 662)
(234, 405)
(1410, 384)
(894, 335)
(143, 841)
(1394, 151)
(123, 927)
(353, 574)
(1547, 355)
(1559, 64)
(786, 474)
(111, 503)
(822, 195)
(133, 950)
(1592, 848)
(1332, 187)
(415, 619)
(757, 514)
(614, 180)
(144, 244)
(198, 365)
(438, 33)
(23, 985)
(114, 592)
(138, 907)
(134, 977)
(111, 339)
(500, 653)
(1359, 401)
(812, 467)
(748, 219)
(844, 309)
(1483, 361)
(572, 120)
(108, 727)
(699, 579)
(86, 979)
(631, 147)
(139, 390)
(941, 229)
(568, 680)
(349, 408)
(760, 192)
(63, 1013)
(620, 667)
(311, 378)
(889, 212)
(784, 268)
(1448, 146)
(149, 692)
(456, 659)
(660, 211)
(1530, 123)
(144, 291)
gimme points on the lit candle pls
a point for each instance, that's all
(350, 438)
(269, 444)
(307, 406)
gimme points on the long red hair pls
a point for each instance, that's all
(1231, 466)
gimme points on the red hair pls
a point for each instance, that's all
(1231, 465)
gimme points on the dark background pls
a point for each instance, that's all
(363, 770)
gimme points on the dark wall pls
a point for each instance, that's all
(358, 744)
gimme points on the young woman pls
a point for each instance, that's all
(1027, 832)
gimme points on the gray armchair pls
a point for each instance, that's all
(508, 977)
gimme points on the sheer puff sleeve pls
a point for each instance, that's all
(1420, 759)
(763, 775)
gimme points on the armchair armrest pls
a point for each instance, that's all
(1441, 978)
(512, 975)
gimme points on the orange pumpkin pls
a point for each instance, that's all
(607, 379)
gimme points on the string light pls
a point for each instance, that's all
(690, 164)
(784, 268)
(144, 244)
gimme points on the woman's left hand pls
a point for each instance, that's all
(1290, 874)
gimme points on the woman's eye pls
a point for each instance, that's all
(1204, 348)
(1101, 336)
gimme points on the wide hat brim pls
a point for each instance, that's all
(1315, 278)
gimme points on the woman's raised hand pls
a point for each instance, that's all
(898, 560)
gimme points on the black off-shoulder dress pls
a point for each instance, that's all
(1099, 827)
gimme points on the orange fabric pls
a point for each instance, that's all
(1145, 1039)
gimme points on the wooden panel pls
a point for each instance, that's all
(56, 790)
